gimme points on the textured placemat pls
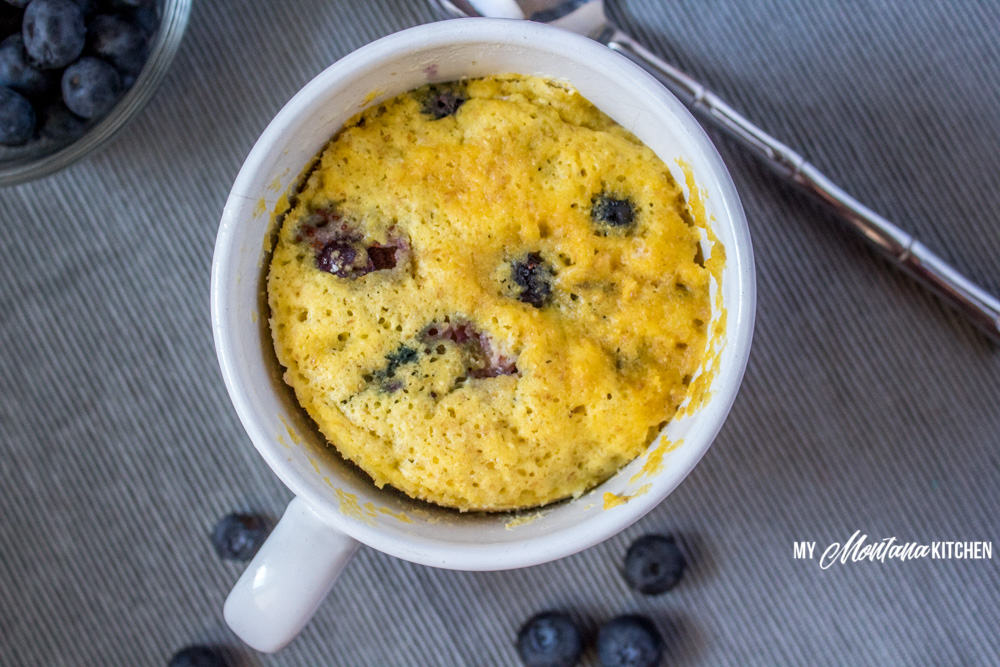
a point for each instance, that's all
(867, 405)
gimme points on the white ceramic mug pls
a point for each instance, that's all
(336, 507)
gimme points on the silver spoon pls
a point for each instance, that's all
(587, 17)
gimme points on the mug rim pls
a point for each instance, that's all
(559, 543)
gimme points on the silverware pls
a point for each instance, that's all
(587, 17)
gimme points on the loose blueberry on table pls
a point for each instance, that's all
(238, 536)
(654, 564)
(197, 656)
(77, 55)
(550, 639)
(629, 641)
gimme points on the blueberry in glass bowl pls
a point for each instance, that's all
(73, 72)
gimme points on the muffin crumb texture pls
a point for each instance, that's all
(488, 294)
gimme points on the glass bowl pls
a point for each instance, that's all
(42, 157)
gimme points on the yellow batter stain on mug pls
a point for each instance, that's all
(523, 520)
(615, 499)
(292, 433)
(654, 460)
(372, 509)
(427, 517)
(349, 506)
(260, 208)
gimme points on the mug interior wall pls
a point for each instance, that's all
(616, 91)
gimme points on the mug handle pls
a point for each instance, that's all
(287, 580)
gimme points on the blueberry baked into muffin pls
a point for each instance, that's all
(488, 294)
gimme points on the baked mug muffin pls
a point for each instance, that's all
(488, 294)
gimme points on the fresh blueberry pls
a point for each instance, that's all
(17, 73)
(60, 124)
(17, 3)
(441, 101)
(197, 656)
(238, 536)
(654, 564)
(629, 641)
(611, 212)
(146, 18)
(90, 87)
(534, 276)
(17, 118)
(550, 639)
(54, 32)
(120, 42)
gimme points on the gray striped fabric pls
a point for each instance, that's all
(867, 404)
